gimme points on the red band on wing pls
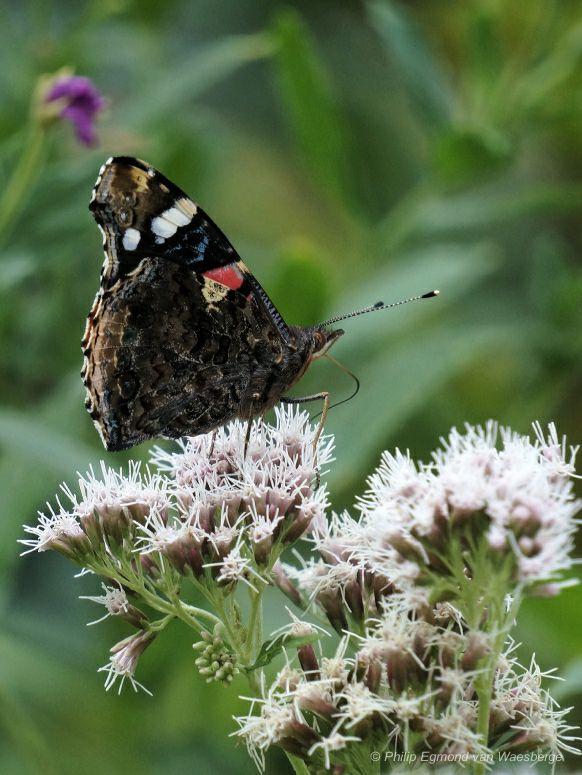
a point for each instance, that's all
(226, 275)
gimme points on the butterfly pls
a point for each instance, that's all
(181, 337)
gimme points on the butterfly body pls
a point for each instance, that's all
(181, 337)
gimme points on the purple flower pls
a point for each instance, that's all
(81, 103)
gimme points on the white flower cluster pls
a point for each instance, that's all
(423, 586)
(522, 489)
(222, 509)
(218, 512)
(513, 499)
(410, 684)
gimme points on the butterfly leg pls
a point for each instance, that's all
(323, 396)
(250, 413)
(247, 437)
(212, 442)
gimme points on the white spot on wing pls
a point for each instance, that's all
(163, 228)
(167, 223)
(131, 239)
(176, 216)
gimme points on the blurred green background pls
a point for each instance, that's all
(352, 152)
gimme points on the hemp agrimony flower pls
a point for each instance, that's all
(213, 519)
(422, 587)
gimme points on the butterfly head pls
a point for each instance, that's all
(323, 339)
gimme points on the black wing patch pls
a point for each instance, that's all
(143, 214)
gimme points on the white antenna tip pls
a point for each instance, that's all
(430, 294)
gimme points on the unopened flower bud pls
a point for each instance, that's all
(110, 522)
(283, 582)
(373, 675)
(402, 669)
(149, 564)
(215, 662)
(353, 595)
(308, 661)
(185, 553)
(331, 602)
(499, 719)
(424, 634)
(299, 736)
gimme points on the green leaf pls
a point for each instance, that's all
(310, 108)
(488, 209)
(546, 80)
(427, 216)
(272, 648)
(197, 75)
(465, 153)
(452, 269)
(406, 48)
(301, 283)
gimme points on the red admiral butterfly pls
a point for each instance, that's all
(181, 337)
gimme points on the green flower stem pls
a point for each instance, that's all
(484, 681)
(160, 624)
(226, 619)
(189, 614)
(484, 690)
(22, 179)
(255, 628)
(481, 597)
(483, 604)
(175, 607)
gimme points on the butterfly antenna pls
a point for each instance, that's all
(375, 308)
(349, 373)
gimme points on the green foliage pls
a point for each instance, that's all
(309, 106)
(272, 648)
(352, 152)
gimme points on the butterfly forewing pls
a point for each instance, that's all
(181, 337)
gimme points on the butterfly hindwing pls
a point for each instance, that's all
(163, 359)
